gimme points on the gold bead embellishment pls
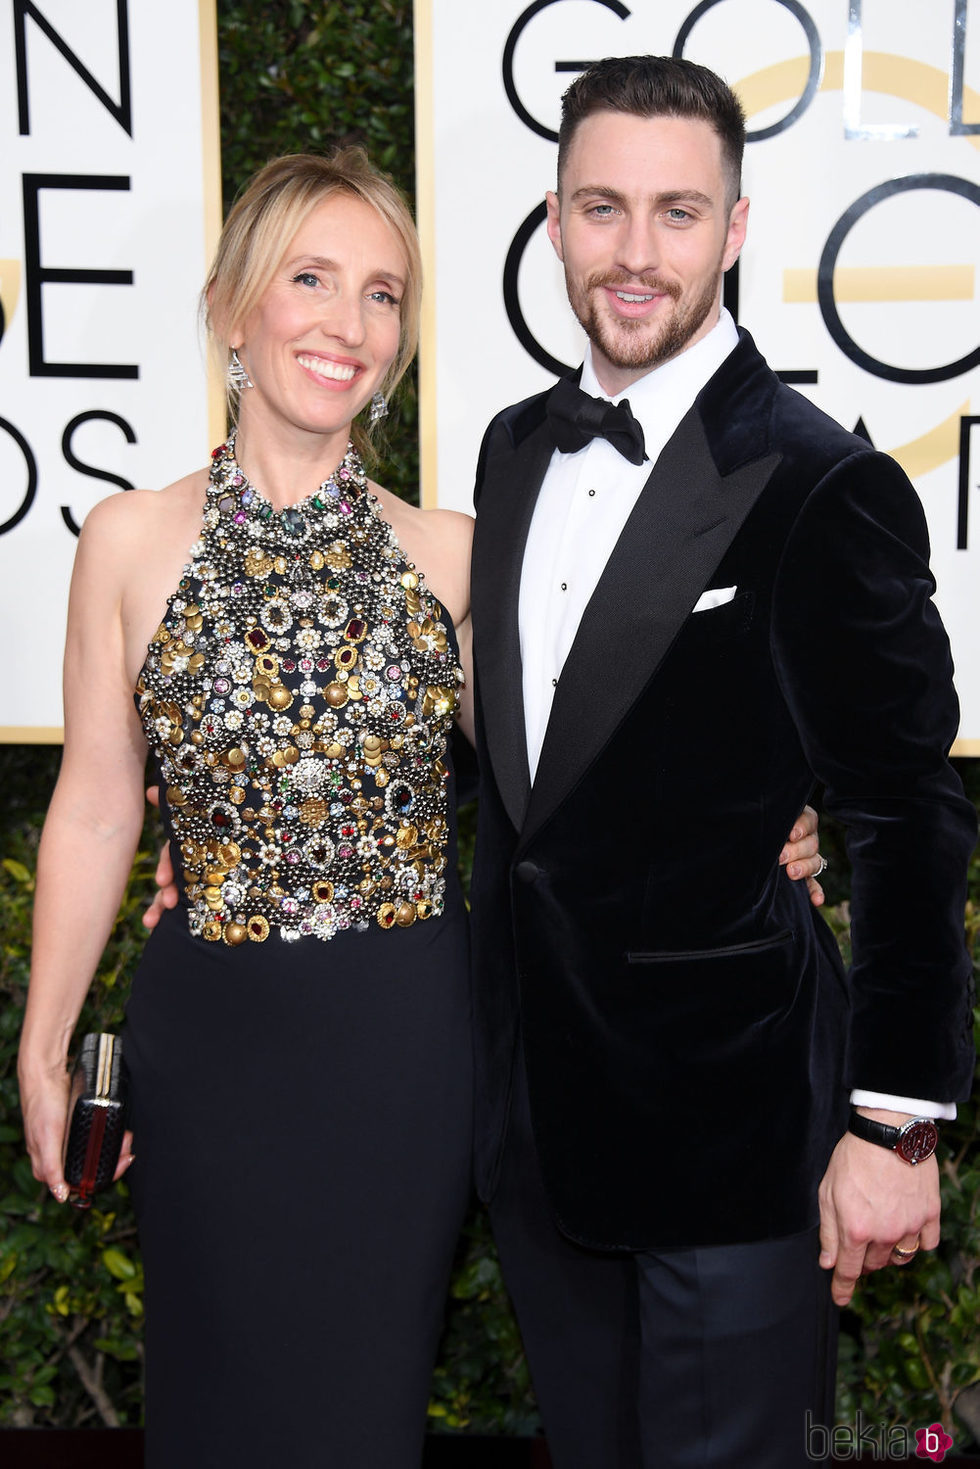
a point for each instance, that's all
(299, 697)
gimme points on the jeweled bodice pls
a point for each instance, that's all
(299, 696)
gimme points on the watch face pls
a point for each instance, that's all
(917, 1140)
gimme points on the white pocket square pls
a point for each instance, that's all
(715, 597)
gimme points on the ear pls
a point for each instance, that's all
(554, 223)
(735, 239)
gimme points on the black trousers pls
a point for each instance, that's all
(679, 1359)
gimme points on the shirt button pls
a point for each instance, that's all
(592, 492)
(564, 586)
(554, 683)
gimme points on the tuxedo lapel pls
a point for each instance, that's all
(506, 505)
(678, 532)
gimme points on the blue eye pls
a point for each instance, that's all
(385, 297)
(305, 278)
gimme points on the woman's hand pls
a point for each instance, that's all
(166, 895)
(44, 1094)
(801, 857)
(44, 1098)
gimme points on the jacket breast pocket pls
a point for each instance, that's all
(717, 624)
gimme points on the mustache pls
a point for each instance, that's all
(621, 280)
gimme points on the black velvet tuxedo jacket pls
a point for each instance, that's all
(688, 1031)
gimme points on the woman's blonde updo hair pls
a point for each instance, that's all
(264, 219)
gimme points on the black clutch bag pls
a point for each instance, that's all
(98, 1117)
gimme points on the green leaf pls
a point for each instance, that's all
(916, 1373)
(122, 1349)
(118, 1264)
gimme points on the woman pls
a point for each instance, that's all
(297, 1034)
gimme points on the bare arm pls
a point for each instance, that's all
(93, 826)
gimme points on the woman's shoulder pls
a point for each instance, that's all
(450, 527)
(129, 512)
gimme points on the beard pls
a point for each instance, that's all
(631, 344)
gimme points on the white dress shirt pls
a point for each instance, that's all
(582, 508)
(584, 502)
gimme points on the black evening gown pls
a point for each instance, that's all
(301, 1102)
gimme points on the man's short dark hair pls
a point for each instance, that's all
(657, 86)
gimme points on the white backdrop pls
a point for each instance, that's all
(858, 280)
(110, 191)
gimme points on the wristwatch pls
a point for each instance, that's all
(914, 1141)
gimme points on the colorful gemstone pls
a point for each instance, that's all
(288, 774)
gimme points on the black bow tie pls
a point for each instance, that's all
(576, 419)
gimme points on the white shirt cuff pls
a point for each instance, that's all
(939, 1111)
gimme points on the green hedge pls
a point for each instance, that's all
(295, 74)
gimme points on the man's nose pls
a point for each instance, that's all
(638, 247)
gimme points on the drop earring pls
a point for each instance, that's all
(238, 378)
(379, 408)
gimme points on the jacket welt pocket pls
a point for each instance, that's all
(725, 621)
(671, 956)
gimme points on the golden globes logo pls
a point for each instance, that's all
(24, 285)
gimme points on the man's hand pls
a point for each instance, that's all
(872, 1202)
(800, 856)
(166, 896)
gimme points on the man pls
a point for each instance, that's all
(679, 631)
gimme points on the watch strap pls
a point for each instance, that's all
(914, 1141)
